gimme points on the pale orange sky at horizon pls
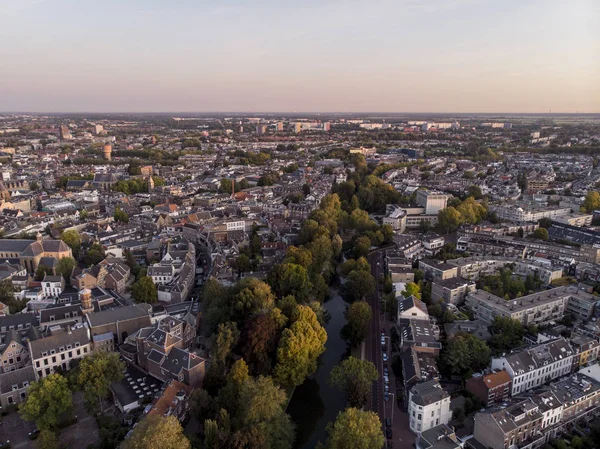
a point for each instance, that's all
(313, 56)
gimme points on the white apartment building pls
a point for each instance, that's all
(161, 274)
(521, 213)
(428, 406)
(537, 308)
(52, 286)
(538, 365)
(59, 348)
(236, 225)
(432, 201)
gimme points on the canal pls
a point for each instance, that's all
(315, 403)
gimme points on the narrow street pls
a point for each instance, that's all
(402, 437)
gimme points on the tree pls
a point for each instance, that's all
(47, 440)
(355, 377)
(96, 373)
(73, 239)
(7, 296)
(290, 278)
(545, 222)
(47, 399)
(225, 341)
(411, 289)
(359, 317)
(471, 211)
(475, 192)
(359, 284)
(41, 272)
(541, 234)
(508, 334)
(306, 189)
(242, 263)
(64, 267)
(94, 254)
(449, 219)
(250, 296)
(362, 246)
(144, 290)
(121, 216)
(158, 432)
(299, 347)
(299, 256)
(260, 340)
(465, 352)
(356, 429)
(591, 202)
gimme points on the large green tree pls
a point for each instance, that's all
(591, 202)
(46, 400)
(158, 432)
(290, 279)
(224, 342)
(144, 290)
(299, 347)
(96, 373)
(355, 377)
(359, 317)
(250, 296)
(359, 284)
(94, 254)
(356, 429)
(508, 334)
(64, 267)
(73, 239)
(121, 216)
(464, 353)
(449, 219)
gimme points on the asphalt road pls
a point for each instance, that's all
(402, 437)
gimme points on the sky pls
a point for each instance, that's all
(300, 56)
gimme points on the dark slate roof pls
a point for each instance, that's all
(118, 314)
(428, 392)
(16, 377)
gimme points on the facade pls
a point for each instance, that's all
(527, 213)
(452, 291)
(491, 388)
(428, 406)
(59, 348)
(514, 426)
(433, 202)
(14, 385)
(537, 308)
(53, 286)
(435, 269)
(536, 366)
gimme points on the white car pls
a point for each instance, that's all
(385, 357)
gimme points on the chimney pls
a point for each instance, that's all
(69, 330)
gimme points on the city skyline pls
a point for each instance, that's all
(464, 56)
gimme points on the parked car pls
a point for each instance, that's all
(386, 371)
(386, 379)
(388, 422)
(388, 433)
(385, 357)
(386, 397)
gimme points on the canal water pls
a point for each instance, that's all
(315, 403)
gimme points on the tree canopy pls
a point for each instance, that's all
(299, 347)
(359, 317)
(144, 290)
(46, 400)
(97, 372)
(158, 432)
(355, 377)
(356, 429)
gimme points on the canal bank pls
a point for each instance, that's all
(315, 403)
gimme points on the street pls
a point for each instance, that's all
(402, 437)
